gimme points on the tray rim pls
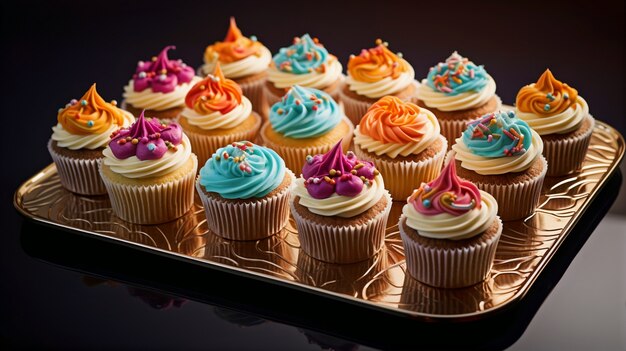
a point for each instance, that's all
(50, 170)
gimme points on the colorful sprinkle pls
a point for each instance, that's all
(546, 107)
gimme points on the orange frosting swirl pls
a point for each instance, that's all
(214, 93)
(546, 97)
(375, 64)
(90, 115)
(234, 47)
(391, 120)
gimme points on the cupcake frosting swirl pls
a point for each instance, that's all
(378, 72)
(242, 170)
(305, 63)
(160, 84)
(456, 84)
(147, 148)
(498, 143)
(216, 103)
(87, 123)
(239, 56)
(550, 106)
(393, 127)
(340, 185)
(305, 113)
(450, 208)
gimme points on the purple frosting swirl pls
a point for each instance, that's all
(161, 74)
(147, 139)
(335, 172)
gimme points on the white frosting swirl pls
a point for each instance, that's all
(148, 99)
(217, 120)
(314, 79)
(431, 133)
(133, 167)
(447, 226)
(245, 67)
(385, 86)
(498, 165)
(561, 123)
(339, 205)
(463, 101)
(88, 141)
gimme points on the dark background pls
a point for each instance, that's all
(52, 52)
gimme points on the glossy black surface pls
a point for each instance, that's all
(53, 51)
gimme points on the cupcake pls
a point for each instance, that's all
(374, 73)
(244, 60)
(306, 63)
(450, 232)
(77, 141)
(561, 117)
(403, 141)
(340, 207)
(149, 171)
(457, 91)
(305, 122)
(245, 190)
(501, 154)
(159, 86)
(217, 114)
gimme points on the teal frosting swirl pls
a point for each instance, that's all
(305, 113)
(498, 135)
(457, 75)
(242, 170)
(302, 57)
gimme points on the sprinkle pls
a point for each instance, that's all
(162, 77)
(144, 140)
(114, 102)
(142, 75)
(202, 87)
(73, 102)
(376, 172)
(139, 63)
(121, 141)
(314, 107)
(134, 141)
(511, 114)
(253, 38)
(154, 58)
(565, 96)
(316, 180)
(489, 138)
(426, 203)
(225, 155)
(469, 206)
(164, 71)
(332, 172)
(236, 159)
(217, 158)
(353, 171)
(362, 178)
(359, 166)
(508, 134)
(128, 138)
(309, 159)
(378, 41)
(59, 110)
(83, 102)
(151, 147)
(350, 154)
(471, 73)
(297, 102)
(550, 97)
(546, 107)
(400, 55)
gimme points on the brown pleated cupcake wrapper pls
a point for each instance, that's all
(204, 146)
(295, 157)
(153, 204)
(356, 109)
(515, 201)
(255, 92)
(402, 177)
(446, 267)
(567, 156)
(79, 176)
(250, 220)
(345, 244)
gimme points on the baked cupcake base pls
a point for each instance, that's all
(342, 240)
(517, 193)
(356, 105)
(248, 219)
(565, 153)
(152, 200)
(447, 263)
(453, 123)
(273, 94)
(169, 114)
(403, 174)
(204, 143)
(294, 151)
(78, 169)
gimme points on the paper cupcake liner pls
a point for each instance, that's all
(446, 267)
(152, 204)
(255, 92)
(204, 146)
(402, 177)
(296, 156)
(356, 109)
(344, 244)
(350, 279)
(567, 155)
(515, 201)
(249, 220)
(79, 176)
(452, 129)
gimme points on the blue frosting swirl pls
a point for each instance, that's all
(305, 113)
(242, 170)
(304, 56)
(457, 75)
(497, 135)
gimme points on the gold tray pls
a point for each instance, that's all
(526, 246)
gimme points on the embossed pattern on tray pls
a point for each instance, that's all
(380, 282)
